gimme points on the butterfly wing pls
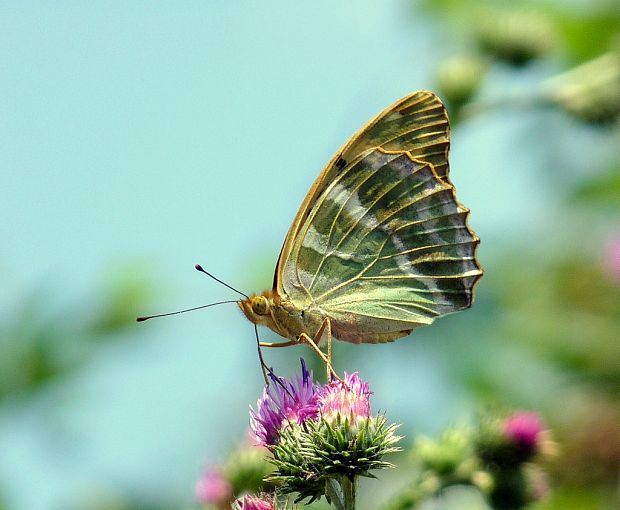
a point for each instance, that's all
(381, 244)
(417, 123)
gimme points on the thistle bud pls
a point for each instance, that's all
(516, 37)
(446, 455)
(458, 80)
(591, 91)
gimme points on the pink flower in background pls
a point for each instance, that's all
(213, 489)
(523, 429)
(255, 503)
(350, 399)
(611, 260)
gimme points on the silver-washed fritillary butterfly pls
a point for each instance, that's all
(380, 244)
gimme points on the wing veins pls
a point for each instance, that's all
(424, 126)
(346, 235)
(373, 316)
(359, 275)
(390, 304)
(393, 302)
(308, 223)
(432, 218)
(423, 276)
(413, 147)
(341, 208)
(415, 277)
(418, 101)
(420, 248)
(434, 191)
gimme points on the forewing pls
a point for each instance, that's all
(417, 123)
(385, 248)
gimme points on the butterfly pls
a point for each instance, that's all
(380, 245)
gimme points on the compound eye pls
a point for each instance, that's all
(259, 305)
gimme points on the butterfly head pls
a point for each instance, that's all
(257, 308)
(260, 305)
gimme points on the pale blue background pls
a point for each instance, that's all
(154, 135)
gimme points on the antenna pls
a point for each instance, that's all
(267, 371)
(201, 269)
(147, 317)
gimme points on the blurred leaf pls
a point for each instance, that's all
(571, 319)
(585, 31)
(578, 498)
(39, 344)
(124, 293)
(27, 344)
(603, 189)
(588, 432)
(586, 37)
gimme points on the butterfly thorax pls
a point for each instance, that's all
(281, 315)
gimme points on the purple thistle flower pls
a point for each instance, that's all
(523, 429)
(213, 489)
(284, 401)
(350, 399)
(255, 503)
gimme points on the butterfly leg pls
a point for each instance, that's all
(326, 328)
(279, 344)
(329, 342)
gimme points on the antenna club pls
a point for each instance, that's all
(201, 269)
(142, 319)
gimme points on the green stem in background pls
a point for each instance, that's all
(341, 492)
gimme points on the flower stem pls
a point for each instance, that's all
(349, 491)
(341, 492)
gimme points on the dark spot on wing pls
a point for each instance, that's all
(340, 163)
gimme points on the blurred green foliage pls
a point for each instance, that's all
(576, 33)
(601, 190)
(557, 303)
(585, 43)
(38, 346)
(586, 34)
